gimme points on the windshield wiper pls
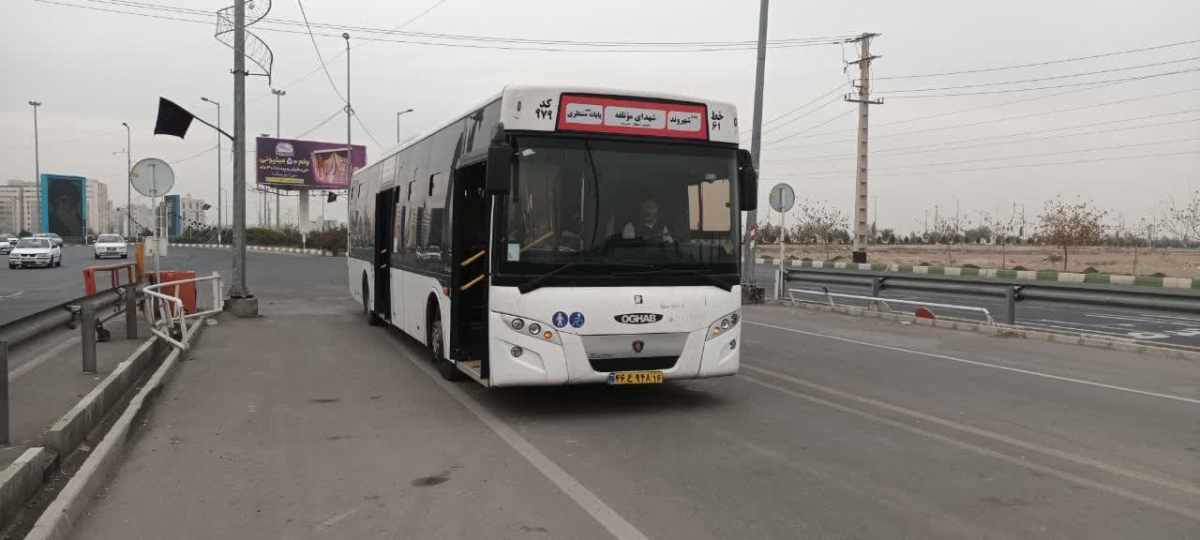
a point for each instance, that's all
(666, 271)
(537, 282)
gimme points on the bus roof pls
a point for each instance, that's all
(541, 108)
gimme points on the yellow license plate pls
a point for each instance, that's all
(636, 377)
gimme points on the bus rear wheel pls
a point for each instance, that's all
(445, 367)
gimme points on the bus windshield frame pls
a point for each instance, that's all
(614, 211)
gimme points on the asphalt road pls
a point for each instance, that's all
(307, 423)
(1165, 327)
(29, 290)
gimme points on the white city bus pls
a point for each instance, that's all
(561, 236)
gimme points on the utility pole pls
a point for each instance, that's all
(398, 115)
(219, 225)
(864, 103)
(748, 263)
(349, 147)
(278, 133)
(129, 179)
(37, 172)
(241, 303)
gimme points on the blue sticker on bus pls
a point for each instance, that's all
(559, 319)
(577, 320)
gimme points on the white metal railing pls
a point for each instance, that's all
(166, 314)
(877, 301)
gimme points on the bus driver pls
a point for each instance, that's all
(647, 226)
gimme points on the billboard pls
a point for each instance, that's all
(172, 218)
(64, 205)
(288, 163)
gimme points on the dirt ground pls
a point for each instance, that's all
(1169, 262)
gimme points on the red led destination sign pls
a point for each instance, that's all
(626, 116)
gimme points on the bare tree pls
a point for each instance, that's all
(1068, 225)
(768, 232)
(1183, 219)
(1003, 229)
(818, 223)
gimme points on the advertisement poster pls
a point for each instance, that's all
(291, 163)
(64, 205)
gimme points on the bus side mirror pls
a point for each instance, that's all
(499, 163)
(747, 182)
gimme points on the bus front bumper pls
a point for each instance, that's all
(520, 359)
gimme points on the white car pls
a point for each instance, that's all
(5, 245)
(35, 252)
(111, 245)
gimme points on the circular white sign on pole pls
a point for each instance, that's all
(153, 177)
(782, 197)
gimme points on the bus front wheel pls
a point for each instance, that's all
(366, 294)
(445, 367)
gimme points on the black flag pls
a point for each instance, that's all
(172, 119)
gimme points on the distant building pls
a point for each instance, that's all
(192, 212)
(98, 220)
(23, 197)
(8, 215)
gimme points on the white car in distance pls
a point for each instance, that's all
(35, 252)
(111, 245)
(6, 245)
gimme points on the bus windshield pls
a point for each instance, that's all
(648, 204)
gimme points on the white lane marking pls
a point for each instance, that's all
(601, 512)
(13, 295)
(1169, 317)
(985, 364)
(335, 519)
(1135, 319)
(1077, 327)
(40, 359)
(1019, 461)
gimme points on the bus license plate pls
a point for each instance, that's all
(636, 377)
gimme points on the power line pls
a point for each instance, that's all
(481, 42)
(355, 46)
(318, 50)
(995, 120)
(191, 157)
(798, 133)
(940, 147)
(1127, 79)
(335, 114)
(367, 131)
(1055, 77)
(1022, 166)
(810, 102)
(1040, 154)
(1047, 63)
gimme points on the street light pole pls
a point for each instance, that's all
(128, 179)
(398, 115)
(278, 95)
(349, 147)
(241, 302)
(219, 226)
(37, 168)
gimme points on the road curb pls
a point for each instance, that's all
(1084, 340)
(58, 520)
(65, 435)
(264, 249)
(21, 479)
(1019, 275)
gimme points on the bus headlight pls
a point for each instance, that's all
(531, 328)
(722, 325)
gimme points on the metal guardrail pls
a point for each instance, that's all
(884, 302)
(167, 314)
(1181, 300)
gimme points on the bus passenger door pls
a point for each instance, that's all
(469, 279)
(385, 221)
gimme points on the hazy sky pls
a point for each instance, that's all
(93, 70)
